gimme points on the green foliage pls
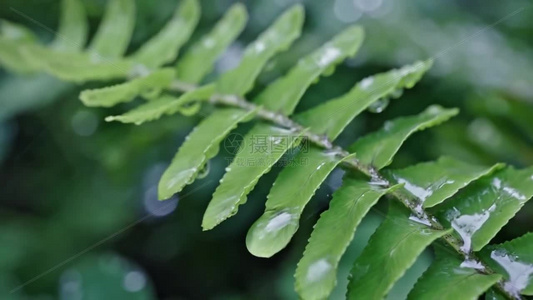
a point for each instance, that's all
(316, 274)
(446, 279)
(459, 204)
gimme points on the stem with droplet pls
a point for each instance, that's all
(412, 203)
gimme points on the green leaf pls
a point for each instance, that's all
(316, 274)
(15, 32)
(276, 38)
(201, 145)
(73, 27)
(481, 209)
(164, 47)
(283, 95)
(331, 117)
(434, 182)
(165, 105)
(76, 66)
(493, 294)
(448, 279)
(22, 93)
(12, 57)
(114, 34)
(125, 92)
(261, 148)
(14, 38)
(392, 249)
(513, 259)
(291, 191)
(379, 148)
(200, 59)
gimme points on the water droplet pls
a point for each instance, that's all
(278, 222)
(366, 83)
(519, 272)
(329, 56)
(397, 93)
(190, 108)
(378, 106)
(472, 264)
(317, 270)
(152, 93)
(467, 225)
(205, 170)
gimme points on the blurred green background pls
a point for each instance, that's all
(79, 216)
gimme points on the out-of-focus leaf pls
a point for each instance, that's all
(379, 148)
(481, 209)
(114, 34)
(333, 116)
(13, 38)
(12, 57)
(73, 28)
(291, 191)
(201, 145)
(125, 92)
(164, 47)
(513, 259)
(394, 247)
(447, 279)
(199, 60)
(434, 182)
(316, 274)
(278, 37)
(164, 105)
(283, 95)
(21, 93)
(261, 148)
(16, 32)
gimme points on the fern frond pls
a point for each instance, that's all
(73, 28)
(378, 149)
(115, 31)
(186, 104)
(434, 182)
(316, 273)
(394, 247)
(291, 191)
(163, 47)
(198, 148)
(276, 38)
(462, 205)
(200, 59)
(125, 92)
(481, 209)
(448, 279)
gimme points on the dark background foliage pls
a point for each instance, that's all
(78, 208)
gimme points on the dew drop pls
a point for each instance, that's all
(378, 106)
(205, 170)
(397, 93)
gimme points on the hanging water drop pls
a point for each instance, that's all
(205, 170)
(190, 109)
(379, 105)
(152, 94)
(397, 93)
